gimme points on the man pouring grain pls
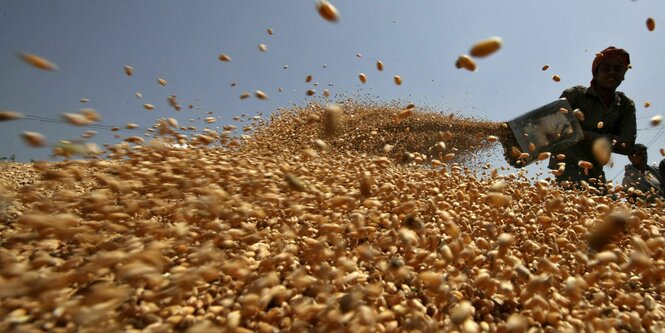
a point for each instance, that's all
(604, 113)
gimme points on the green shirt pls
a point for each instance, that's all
(619, 127)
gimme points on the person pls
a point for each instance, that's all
(607, 113)
(661, 168)
(641, 176)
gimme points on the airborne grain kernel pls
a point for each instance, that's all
(263, 47)
(651, 24)
(602, 150)
(398, 80)
(129, 70)
(545, 67)
(224, 57)
(379, 65)
(38, 62)
(10, 115)
(327, 11)
(656, 120)
(498, 199)
(148, 106)
(461, 312)
(260, 95)
(362, 78)
(34, 139)
(76, 119)
(464, 61)
(585, 164)
(403, 114)
(162, 82)
(556, 78)
(485, 47)
(91, 114)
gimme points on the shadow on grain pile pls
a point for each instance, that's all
(373, 129)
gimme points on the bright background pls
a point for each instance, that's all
(180, 41)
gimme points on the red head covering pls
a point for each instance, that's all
(610, 52)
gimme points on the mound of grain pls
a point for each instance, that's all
(278, 231)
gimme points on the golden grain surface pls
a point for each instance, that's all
(308, 223)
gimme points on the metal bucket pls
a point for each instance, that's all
(550, 128)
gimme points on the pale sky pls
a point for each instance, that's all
(180, 41)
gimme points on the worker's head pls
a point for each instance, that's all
(638, 157)
(609, 68)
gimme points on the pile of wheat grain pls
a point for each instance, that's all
(353, 218)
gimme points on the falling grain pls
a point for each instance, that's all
(260, 95)
(129, 70)
(327, 11)
(10, 115)
(38, 62)
(34, 139)
(465, 62)
(485, 47)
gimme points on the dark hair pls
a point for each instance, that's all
(638, 147)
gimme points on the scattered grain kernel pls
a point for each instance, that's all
(129, 70)
(585, 164)
(327, 11)
(651, 24)
(10, 115)
(34, 139)
(602, 150)
(38, 62)
(485, 47)
(260, 95)
(464, 61)
(76, 119)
